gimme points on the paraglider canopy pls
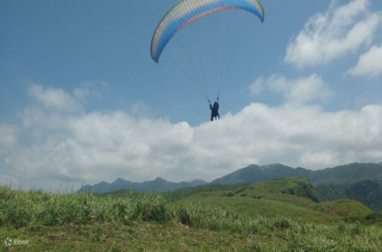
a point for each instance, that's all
(186, 11)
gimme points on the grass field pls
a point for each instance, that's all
(205, 221)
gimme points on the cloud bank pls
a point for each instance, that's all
(100, 146)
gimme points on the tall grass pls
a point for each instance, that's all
(34, 209)
(26, 209)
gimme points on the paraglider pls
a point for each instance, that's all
(184, 13)
(214, 110)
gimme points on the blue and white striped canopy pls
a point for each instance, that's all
(186, 11)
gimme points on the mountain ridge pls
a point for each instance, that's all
(158, 184)
(252, 174)
(342, 173)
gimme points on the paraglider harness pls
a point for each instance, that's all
(214, 110)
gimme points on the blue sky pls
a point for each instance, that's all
(81, 98)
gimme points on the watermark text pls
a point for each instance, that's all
(15, 242)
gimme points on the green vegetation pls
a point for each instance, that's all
(290, 197)
(184, 193)
(343, 208)
(368, 192)
(299, 187)
(263, 207)
(278, 215)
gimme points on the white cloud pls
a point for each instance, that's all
(106, 145)
(257, 87)
(334, 34)
(319, 159)
(54, 99)
(89, 89)
(36, 117)
(8, 137)
(369, 64)
(139, 108)
(299, 91)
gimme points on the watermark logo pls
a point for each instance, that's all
(13, 242)
(8, 242)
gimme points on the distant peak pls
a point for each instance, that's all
(252, 166)
(160, 179)
(198, 180)
(275, 164)
(120, 180)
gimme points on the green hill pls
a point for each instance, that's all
(299, 187)
(343, 208)
(369, 192)
(186, 192)
(288, 197)
(357, 181)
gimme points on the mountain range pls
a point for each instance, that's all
(253, 174)
(158, 184)
(339, 174)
